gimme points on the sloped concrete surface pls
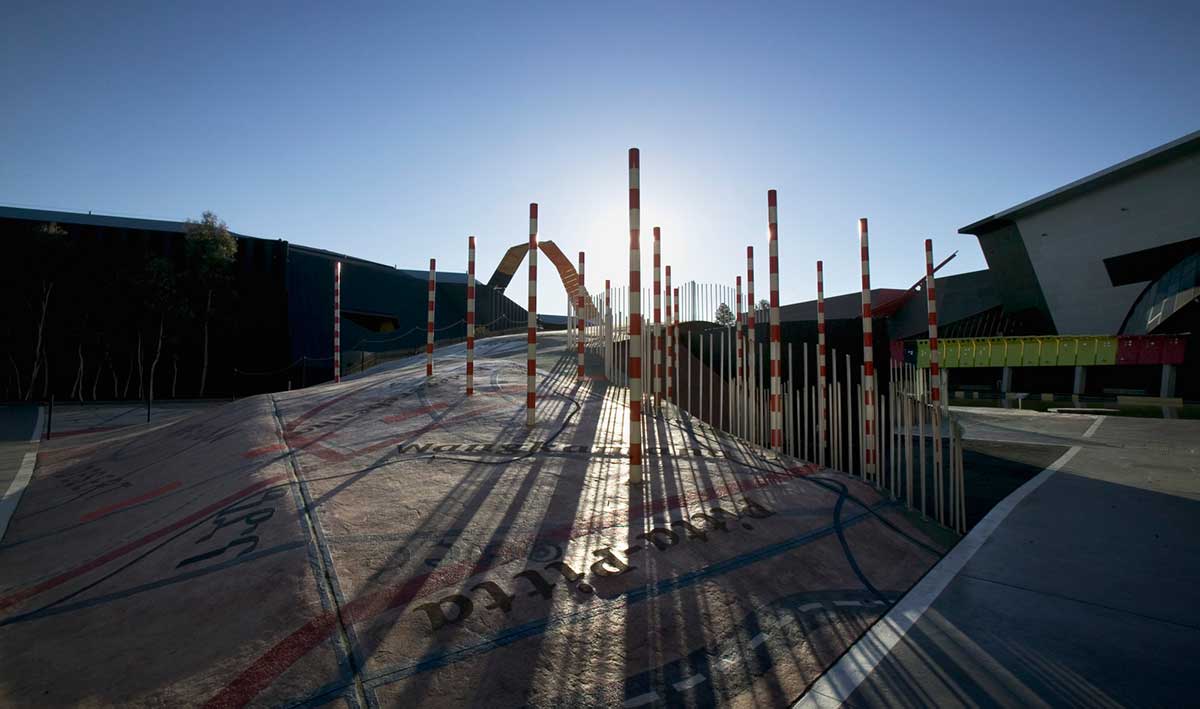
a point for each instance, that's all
(389, 542)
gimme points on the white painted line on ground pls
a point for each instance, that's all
(836, 685)
(8, 505)
(1092, 429)
(641, 699)
(37, 426)
(689, 682)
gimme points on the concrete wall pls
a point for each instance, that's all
(959, 296)
(1160, 208)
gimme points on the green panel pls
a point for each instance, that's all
(966, 353)
(1067, 349)
(1086, 354)
(1106, 350)
(1012, 358)
(1049, 356)
(922, 353)
(949, 352)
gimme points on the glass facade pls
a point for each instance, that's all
(1173, 290)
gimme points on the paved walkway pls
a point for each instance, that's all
(20, 426)
(1078, 589)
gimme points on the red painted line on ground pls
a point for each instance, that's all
(261, 673)
(96, 514)
(297, 442)
(120, 551)
(291, 425)
(404, 416)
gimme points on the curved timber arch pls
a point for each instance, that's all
(566, 272)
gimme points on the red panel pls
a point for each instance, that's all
(1152, 349)
(897, 350)
(1173, 349)
(1129, 349)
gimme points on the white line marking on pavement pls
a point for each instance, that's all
(8, 505)
(1092, 429)
(838, 682)
(689, 682)
(641, 699)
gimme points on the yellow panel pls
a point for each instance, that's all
(948, 349)
(1012, 355)
(1049, 356)
(1032, 352)
(922, 353)
(1086, 354)
(1068, 347)
(1106, 350)
(967, 353)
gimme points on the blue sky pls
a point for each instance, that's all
(393, 131)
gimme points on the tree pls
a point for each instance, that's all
(211, 252)
(50, 247)
(725, 316)
(163, 300)
(764, 304)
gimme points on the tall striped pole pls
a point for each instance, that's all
(751, 371)
(670, 348)
(635, 322)
(776, 355)
(935, 372)
(429, 320)
(470, 315)
(821, 413)
(657, 339)
(531, 348)
(337, 322)
(868, 384)
(579, 320)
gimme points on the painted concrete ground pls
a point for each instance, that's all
(387, 541)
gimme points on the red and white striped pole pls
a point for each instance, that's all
(935, 372)
(751, 335)
(670, 345)
(868, 385)
(776, 355)
(470, 315)
(429, 322)
(656, 342)
(531, 356)
(821, 414)
(635, 322)
(337, 322)
(579, 322)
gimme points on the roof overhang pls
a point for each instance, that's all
(1164, 153)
